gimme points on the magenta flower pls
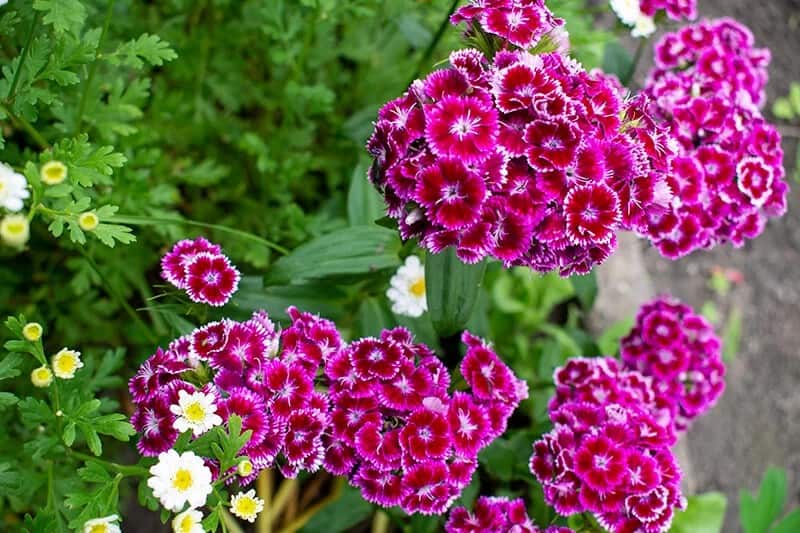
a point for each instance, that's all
(173, 265)
(496, 515)
(521, 23)
(463, 128)
(200, 268)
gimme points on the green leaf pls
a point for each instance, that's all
(341, 514)
(758, 512)
(145, 48)
(364, 204)
(451, 288)
(7, 400)
(617, 60)
(9, 366)
(782, 109)
(585, 289)
(373, 317)
(732, 335)
(608, 342)
(788, 524)
(64, 15)
(324, 299)
(794, 97)
(356, 250)
(69, 434)
(705, 513)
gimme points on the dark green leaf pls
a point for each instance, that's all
(759, 512)
(451, 288)
(585, 289)
(340, 515)
(364, 204)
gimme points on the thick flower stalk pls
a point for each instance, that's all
(525, 159)
(708, 87)
(398, 433)
(496, 515)
(609, 452)
(679, 350)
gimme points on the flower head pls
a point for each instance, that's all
(88, 221)
(178, 479)
(15, 230)
(196, 412)
(211, 279)
(189, 521)
(407, 289)
(13, 188)
(32, 331)
(246, 505)
(107, 524)
(66, 362)
(41, 377)
(53, 172)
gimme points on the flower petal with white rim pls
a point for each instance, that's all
(178, 479)
(107, 524)
(407, 289)
(195, 411)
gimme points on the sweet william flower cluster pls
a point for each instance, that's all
(397, 432)
(496, 515)
(708, 87)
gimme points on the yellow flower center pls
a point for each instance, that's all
(66, 364)
(54, 172)
(186, 524)
(246, 506)
(194, 412)
(32, 331)
(88, 221)
(245, 468)
(182, 480)
(42, 374)
(16, 228)
(417, 288)
(2, 186)
(99, 528)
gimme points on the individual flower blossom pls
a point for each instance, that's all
(211, 279)
(13, 188)
(397, 432)
(195, 412)
(681, 353)
(527, 158)
(15, 230)
(32, 331)
(608, 452)
(88, 221)
(173, 264)
(53, 172)
(41, 377)
(107, 524)
(66, 362)
(521, 23)
(246, 505)
(496, 515)
(407, 289)
(178, 479)
(707, 88)
(189, 521)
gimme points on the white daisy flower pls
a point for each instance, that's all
(188, 522)
(643, 27)
(41, 377)
(629, 12)
(195, 411)
(106, 524)
(66, 362)
(178, 479)
(13, 188)
(407, 290)
(246, 505)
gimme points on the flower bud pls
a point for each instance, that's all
(32, 331)
(41, 377)
(88, 221)
(15, 230)
(53, 172)
(244, 468)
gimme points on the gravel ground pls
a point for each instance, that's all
(756, 422)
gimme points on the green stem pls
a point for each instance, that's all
(426, 56)
(380, 523)
(12, 91)
(92, 69)
(228, 522)
(303, 519)
(637, 56)
(124, 470)
(153, 221)
(21, 123)
(281, 499)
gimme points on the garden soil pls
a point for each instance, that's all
(757, 421)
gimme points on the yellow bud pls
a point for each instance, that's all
(88, 221)
(32, 331)
(53, 172)
(245, 468)
(41, 377)
(15, 230)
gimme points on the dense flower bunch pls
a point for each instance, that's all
(521, 23)
(640, 13)
(247, 369)
(608, 453)
(496, 515)
(202, 270)
(682, 354)
(708, 86)
(525, 159)
(398, 434)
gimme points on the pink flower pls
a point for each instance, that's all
(173, 264)
(521, 24)
(451, 194)
(591, 214)
(425, 435)
(463, 128)
(211, 279)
